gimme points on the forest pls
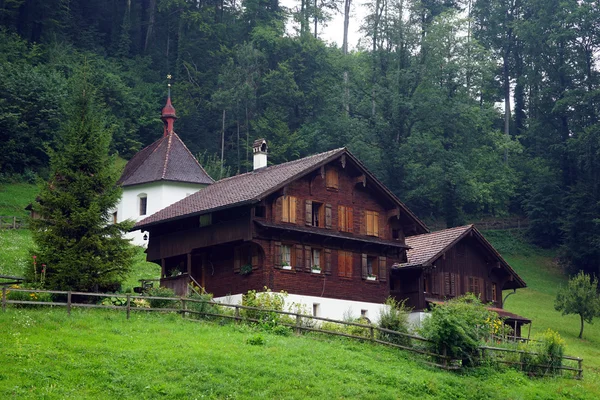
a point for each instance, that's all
(463, 108)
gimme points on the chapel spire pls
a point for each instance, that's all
(168, 112)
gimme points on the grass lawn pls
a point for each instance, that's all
(15, 197)
(14, 251)
(99, 354)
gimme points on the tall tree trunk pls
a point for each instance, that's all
(506, 79)
(222, 145)
(315, 17)
(247, 140)
(151, 17)
(581, 330)
(345, 52)
(238, 143)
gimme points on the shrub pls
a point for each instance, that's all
(458, 327)
(544, 355)
(203, 305)
(114, 301)
(26, 296)
(395, 318)
(161, 292)
(256, 340)
(266, 300)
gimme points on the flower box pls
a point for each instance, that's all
(315, 271)
(371, 278)
(287, 267)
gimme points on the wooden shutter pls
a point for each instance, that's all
(369, 222)
(293, 207)
(342, 218)
(446, 283)
(376, 224)
(467, 289)
(453, 278)
(349, 220)
(488, 291)
(307, 258)
(299, 253)
(331, 178)
(255, 261)
(278, 209)
(362, 222)
(308, 213)
(328, 216)
(327, 261)
(349, 264)
(277, 254)
(435, 283)
(364, 272)
(237, 259)
(341, 263)
(285, 211)
(382, 269)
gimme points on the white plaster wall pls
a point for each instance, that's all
(328, 307)
(159, 194)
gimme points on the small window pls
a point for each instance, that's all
(206, 220)
(315, 259)
(372, 267)
(372, 222)
(260, 211)
(494, 290)
(318, 214)
(143, 205)
(114, 217)
(315, 309)
(288, 209)
(427, 284)
(364, 314)
(395, 234)
(331, 178)
(345, 219)
(474, 285)
(286, 256)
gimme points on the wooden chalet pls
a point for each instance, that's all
(321, 228)
(452, 262)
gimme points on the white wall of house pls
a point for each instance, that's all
(324, 306)
(158, 194)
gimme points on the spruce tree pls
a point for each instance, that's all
(75, 237)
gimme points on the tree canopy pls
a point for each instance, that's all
(580, 297)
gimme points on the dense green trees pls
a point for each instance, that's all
(464, 109)
(580, 297)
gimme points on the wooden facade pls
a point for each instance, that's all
(329, 230)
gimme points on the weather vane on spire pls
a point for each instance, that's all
(169, 83)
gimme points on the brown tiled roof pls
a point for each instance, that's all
(240, 189)
(166, 159)
(427, 248)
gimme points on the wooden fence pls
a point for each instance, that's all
(298, 322)
(12, 222)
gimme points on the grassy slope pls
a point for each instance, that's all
(15, 197)
(543, 277)
(98, 354)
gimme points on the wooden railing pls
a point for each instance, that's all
(298, 322)
(12, 222)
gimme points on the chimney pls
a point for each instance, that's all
(259, 149)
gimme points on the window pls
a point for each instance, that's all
(372, 222)
(315, 259)
(345, 264)
(331, 178)
(426, 284)
(245, 257)
(315, 309)
(206, 220)
(345, 219)
(372, 266)
(450, 284)
(473, 286)
(260, 211)
(288, 209)
(318, 215)
(115, 217)
(396, 234)
(494, 290)
(143, 204)
(286, 255)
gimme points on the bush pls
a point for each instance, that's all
(203, 306)
(256, 340)
(114, 301)
(266, 300)
(395, 318)
(458, 327)
(161, 292)
(544, 355)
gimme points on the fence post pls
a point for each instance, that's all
(372, 331)
(183, 308)
(580, 366)
(14, 222)
(298, 323)
(128, 305)
(3, 298)
(69, 302)
(445, 355)
(237, 313)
